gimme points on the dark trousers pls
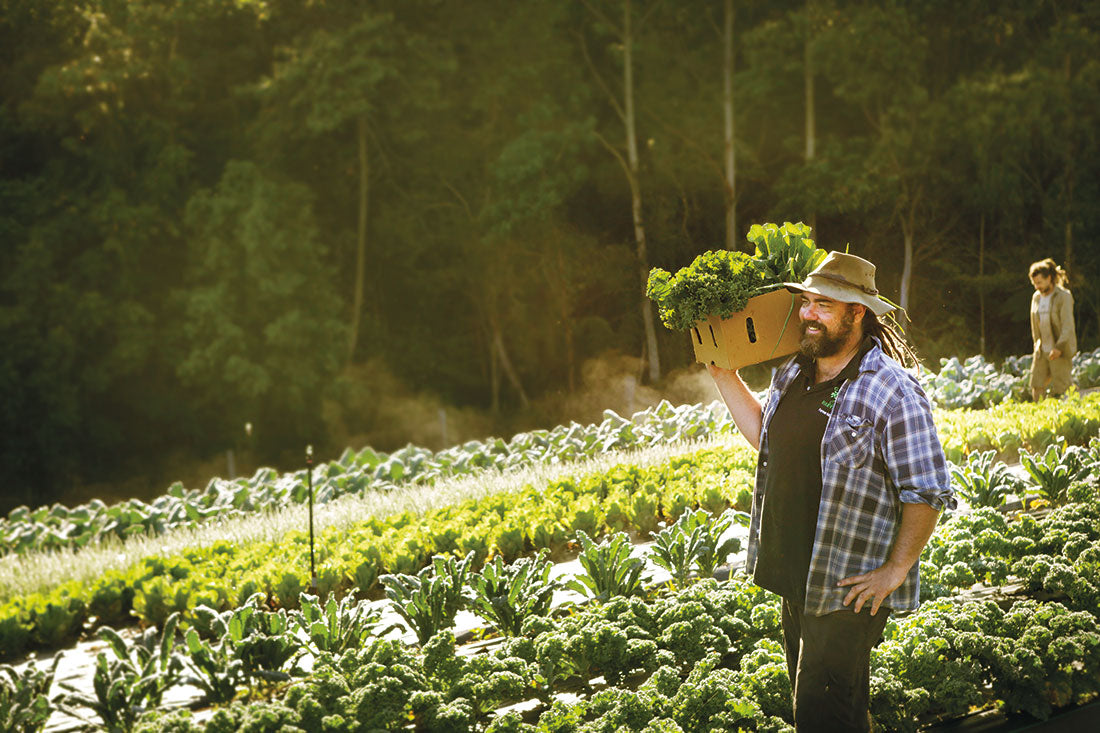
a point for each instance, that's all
(829, 660)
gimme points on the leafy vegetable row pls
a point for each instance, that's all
(354, 472)
(983, 481)
(949, 659)
(243, 648)
(224, 575)
(1010, 426)
(1057, 555)
(707, 658)
(1005, 428)
(977, 383)
(378, 684)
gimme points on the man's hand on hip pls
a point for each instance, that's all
(918, 521)
(873, 587)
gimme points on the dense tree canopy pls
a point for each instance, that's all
(221, 212)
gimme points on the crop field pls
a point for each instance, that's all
(280, 282)
(212, 588)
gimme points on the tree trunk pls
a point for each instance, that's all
(630, 167)
(570, 356)
(636, 193)
(361, 245)
(565, 301)
(981, 285)
(907, 268)
(506, 365)
(908, 225)
(811, 120)
(494, 376)
(1067, 257)
(908, 219)
(727, 95)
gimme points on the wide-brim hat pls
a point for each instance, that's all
(847, 278)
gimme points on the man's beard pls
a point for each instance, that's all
(826, 343)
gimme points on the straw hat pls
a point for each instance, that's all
(846, 278)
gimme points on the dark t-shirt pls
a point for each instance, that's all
(792, 481)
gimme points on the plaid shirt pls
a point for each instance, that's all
(879, 450)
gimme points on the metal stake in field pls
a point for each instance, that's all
(309, 485)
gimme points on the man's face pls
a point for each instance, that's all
(826, 324)
(1042, 282)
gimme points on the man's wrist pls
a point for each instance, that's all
(898, 569)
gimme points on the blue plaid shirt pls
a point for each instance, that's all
(880, 450)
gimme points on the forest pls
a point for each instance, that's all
(238, 227)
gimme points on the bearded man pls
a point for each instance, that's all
(850, 482)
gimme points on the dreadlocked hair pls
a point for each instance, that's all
(889, 334)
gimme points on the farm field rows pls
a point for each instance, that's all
(242, 628)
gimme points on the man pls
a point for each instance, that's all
(1053, 336)
(850, 482)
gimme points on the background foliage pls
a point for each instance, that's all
(280, 213)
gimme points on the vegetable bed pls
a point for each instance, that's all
(702, 656)
(236, 620)
(351, 559)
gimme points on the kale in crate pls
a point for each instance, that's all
(785, 253)
(718, 282)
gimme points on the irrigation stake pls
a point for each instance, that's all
(309, 484)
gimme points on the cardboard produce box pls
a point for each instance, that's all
(767, 328)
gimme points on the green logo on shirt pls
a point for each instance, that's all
(829, 402)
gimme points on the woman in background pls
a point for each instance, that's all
(1053, 336)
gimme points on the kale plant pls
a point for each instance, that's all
(984, 481)
(609, 569)
(337, 626)
(675, 549)
(25, 702)
(507, 595)
(430, 600)
(133, 681)
(1056, 469)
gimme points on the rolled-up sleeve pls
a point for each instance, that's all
(913, 454)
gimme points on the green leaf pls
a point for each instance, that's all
(194, 644)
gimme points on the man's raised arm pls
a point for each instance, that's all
(742, 403)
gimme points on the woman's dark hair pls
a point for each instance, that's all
(889, 335)
(1048, 268)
